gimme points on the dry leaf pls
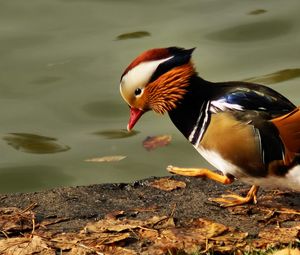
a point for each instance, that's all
(116, 225)
(153, 142)
(25, 246)
(257, 12)
(190, 238)
(13, 219)
(106, 159)
(274, 236)
(133, 35)
(168, 184)
(287, 251)
(33, 143)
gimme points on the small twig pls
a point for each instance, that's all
(90, 249)
(4, 233)
(173, 210)
(31, 206)
(3, 197)
(206, 246)
(44, 225)
(288, 211)
(33, 227)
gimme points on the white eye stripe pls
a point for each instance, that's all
(137, 78)
(140, 75)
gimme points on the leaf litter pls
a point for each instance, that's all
(168, 184)
(117, 234)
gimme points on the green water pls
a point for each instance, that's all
(60, 64)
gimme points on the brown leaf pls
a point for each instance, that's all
(199, 234)
(116, 225)
(13, 219)
(106, 159)
(25, 246)
(287, 251)
(33, 143)
(168, 184)
(153, 142)
(257, 12)
(274, 236)
(133, 35)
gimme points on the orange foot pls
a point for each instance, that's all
(200, 172)
(225, 200)
(234, 199)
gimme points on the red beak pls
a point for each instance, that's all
(135, 114)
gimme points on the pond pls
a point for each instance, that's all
(61, 62)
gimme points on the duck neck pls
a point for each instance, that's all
(191, 114)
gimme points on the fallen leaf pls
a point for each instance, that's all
(194, 237)
(133, 35)
(106, 159)
(276, 77)
(13, 220)
(25, 246)
(271, 237)
(257, 12)
(153, 142)
(287, 251)
(168, 184)
(33, 143)
(116, 225)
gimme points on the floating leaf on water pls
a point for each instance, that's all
(257, 12)
(32, 143)
(116, 134)
(276, 77)
(168, 184)
(106, 159)
(133, 35)
(153, 142)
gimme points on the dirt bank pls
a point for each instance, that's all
(69, 209)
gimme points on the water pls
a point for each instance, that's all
(61, 61)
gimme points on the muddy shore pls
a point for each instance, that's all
(139, 200)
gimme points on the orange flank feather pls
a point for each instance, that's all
(289, 131)
(163, 94)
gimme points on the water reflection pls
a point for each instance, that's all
(276, 77)
(32, 143)
(11, 43)
(116, 134)
(106, 108)
(32, 177)
(44, 80)
(255, 31)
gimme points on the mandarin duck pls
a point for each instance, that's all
(247, 131)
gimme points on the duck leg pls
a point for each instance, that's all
(224, 200)
(200, 172)
(234, 199)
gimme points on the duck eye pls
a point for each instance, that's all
(138, 91)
